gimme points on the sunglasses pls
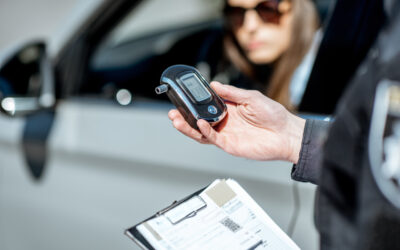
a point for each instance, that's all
(266, 10)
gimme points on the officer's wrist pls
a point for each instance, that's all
(295, 131)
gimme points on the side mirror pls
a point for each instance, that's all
(26, 80)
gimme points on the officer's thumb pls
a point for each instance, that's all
(230, 93)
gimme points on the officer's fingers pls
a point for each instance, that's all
(182, 126)
(173, 113)
(208, 132)
(231, 93)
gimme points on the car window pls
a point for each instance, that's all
(127, 59)
(157, 15)
(156, 34)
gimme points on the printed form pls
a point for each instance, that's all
(223, 216)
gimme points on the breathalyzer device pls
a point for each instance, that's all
(192, 95)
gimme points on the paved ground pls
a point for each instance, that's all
(24, 19)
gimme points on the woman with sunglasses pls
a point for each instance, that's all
(267, 40)
(259, 47)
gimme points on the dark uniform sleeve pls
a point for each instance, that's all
(308, 167)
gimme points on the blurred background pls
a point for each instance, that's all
(45, 18)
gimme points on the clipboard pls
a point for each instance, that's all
(139, 239)
(220, 216)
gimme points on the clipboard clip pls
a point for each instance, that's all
(161, 212)
(180, 211)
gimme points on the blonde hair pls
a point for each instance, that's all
(304, 24)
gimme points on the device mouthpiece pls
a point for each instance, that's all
(162, 89)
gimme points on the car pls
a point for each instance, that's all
(87, 150)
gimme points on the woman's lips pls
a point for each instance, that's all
(254, 45)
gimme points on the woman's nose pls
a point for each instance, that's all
(251, 21)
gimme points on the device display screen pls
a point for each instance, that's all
(195, 86)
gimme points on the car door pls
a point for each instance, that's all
(111, 158)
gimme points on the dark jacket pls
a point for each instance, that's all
(352, 210)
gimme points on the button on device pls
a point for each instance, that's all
(212, 109)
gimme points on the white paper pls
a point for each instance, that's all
(237, 223)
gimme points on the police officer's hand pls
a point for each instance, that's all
(255, 127)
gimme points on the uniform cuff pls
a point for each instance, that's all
(308, 167)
